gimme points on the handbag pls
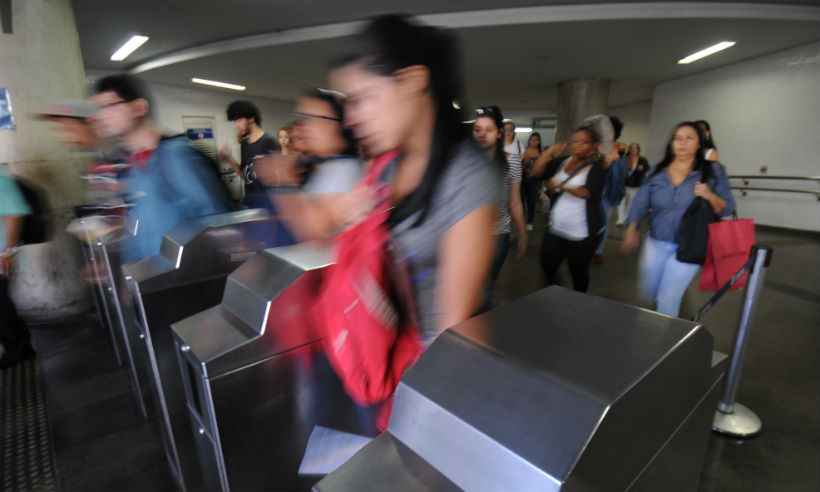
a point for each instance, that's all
(729, 244)
(693, 232)
(365, 311)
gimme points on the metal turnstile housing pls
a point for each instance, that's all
(256, 382)
(558, 391)
(187, 277)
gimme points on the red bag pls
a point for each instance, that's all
(730, 242)
(369, 338)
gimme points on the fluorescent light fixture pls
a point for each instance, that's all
(706, 52)
(129, 47)
(523, 129)
(214, 83)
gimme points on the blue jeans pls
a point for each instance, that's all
(664, 279)
(606, 209)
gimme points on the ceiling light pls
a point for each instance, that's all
(523, 129)
(129, 47)
(214, 83)
(706, 52)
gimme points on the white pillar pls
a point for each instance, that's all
(41, 63)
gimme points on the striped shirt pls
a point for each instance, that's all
(512, 177)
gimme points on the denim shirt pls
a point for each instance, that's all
(665, 204)
(177, 183)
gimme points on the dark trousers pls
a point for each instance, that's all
(555, 249)
(502, 248)
(529, 190)
(14, 334)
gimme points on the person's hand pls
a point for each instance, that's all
(611, 156)
(702, 190)
(276, 169)
(632, 240)
(224, 153)
(352, 207)
(521, 245)
(554, 185)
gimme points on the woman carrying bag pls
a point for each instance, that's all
(429, 197)
(682, 195)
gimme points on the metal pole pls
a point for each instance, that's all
(732, 418)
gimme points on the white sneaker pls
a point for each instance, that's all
(529, 227)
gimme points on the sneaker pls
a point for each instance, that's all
(529, 227)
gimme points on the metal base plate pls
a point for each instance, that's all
(742, 422)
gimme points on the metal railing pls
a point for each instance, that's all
(746, 178)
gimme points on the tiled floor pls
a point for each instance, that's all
(102, 444)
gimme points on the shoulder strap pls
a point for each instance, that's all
(580, 168)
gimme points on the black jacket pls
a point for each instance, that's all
(595, 185)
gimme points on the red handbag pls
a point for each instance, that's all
(365, 311)
(730, 242)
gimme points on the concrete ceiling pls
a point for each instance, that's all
(176, 24)
(518, 66)
(515, 66)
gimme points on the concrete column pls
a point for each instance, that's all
(42, 63)
(578, 99)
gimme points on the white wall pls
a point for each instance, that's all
(173, 102)
(636, 122)
(764, 111)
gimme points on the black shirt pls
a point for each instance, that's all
(264, 146)
(634, 177)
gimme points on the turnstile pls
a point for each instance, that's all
(188, 276)
(255, 380)
(102, 251)
(556, 391)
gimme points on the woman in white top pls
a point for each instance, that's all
(575, 184)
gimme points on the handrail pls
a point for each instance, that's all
(744, 189)
(745, 177)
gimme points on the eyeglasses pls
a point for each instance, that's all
(111, 105)
(300, 117)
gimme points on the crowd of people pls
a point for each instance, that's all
(460, 199)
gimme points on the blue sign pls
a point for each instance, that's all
(200, 134)
(6, 115)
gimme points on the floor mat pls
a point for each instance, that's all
(27, 459)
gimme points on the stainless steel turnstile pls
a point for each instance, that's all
(187, 277)
(102, 253)
(255, 380)
(556, 391)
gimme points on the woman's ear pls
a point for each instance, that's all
(413, 79)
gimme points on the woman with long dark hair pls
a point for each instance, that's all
(488, 133)
(665, 196)
(710, 151)
(401, 83)
(530, 186)
(575, 185)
